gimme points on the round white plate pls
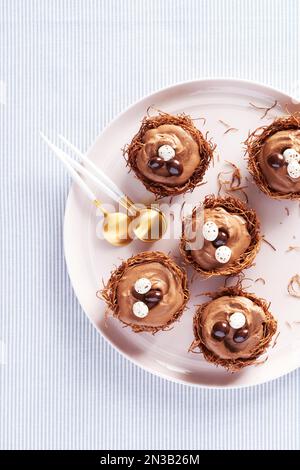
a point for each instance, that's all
(90, 259)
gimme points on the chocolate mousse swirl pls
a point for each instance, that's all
(166, 278)
(185, 148)
(225, 343)
(169, 154)
(266, 160)
(238, 238)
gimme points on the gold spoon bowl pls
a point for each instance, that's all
(147, 224)
(150, 225)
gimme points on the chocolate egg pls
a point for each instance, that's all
(223, 254)
(276, 160)
(237, 320)
(140, 309)
(293, 169)
(166, 152)
(290, 155)
(142, 285)
(210, 231)
(153, 297)
(241, 335)
(155, 163)
(221, 239)
(220, 330)
(174, 167)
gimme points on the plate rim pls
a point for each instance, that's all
(217, 80)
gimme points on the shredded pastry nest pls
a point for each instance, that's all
(254, 144)
(109, 292)
(206, 148)
(234, 206)
(234, 365)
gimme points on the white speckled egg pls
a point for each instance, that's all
(166, 152)
(142, 285)
(210, 231)
(293, 169)
(290, 155)
(223, 254)
(237, 320)
(140, 309)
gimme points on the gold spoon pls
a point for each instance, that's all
(149, 224)
(115, 226)
(119, 229)
(146, 223)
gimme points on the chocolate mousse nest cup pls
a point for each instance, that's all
(225, 236)
(169, 155)
(148, 292)
(274, 157)
(233, 329)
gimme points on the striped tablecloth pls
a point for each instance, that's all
(70, 66)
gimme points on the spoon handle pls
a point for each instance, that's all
(129, 205)
(75, 165)
(100, 173)
(122, 199)
(73, 173)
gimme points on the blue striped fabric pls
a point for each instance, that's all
(70, 66)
